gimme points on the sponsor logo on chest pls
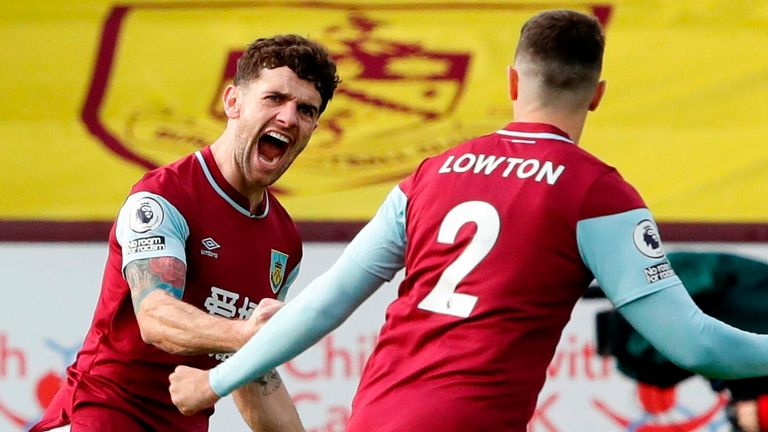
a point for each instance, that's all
(210, 245)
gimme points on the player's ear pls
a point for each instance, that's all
(514, 81)
(599, 92)
(231, 100)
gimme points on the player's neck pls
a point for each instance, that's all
(227, 164)
(568, 122)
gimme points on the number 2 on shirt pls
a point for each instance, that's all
(443, 298)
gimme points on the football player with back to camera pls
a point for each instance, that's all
(197, 245)
(499, 237)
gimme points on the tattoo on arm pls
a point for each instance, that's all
(270, 382)
(163, 273)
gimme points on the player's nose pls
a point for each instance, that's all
(288, 114)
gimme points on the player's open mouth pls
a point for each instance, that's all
(272, 146)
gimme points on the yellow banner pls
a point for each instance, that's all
(98, 93)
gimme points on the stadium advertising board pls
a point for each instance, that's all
(584, 391)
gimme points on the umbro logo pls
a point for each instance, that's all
(210, 244)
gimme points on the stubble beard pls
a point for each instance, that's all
(243, 149)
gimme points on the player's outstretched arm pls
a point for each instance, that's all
(174, 326)
(674, 324)
(315, 312)
(319, 309)
(266, 405)
(625, 254)
(373, 257)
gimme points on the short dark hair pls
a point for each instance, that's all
(565, 48)
(307, 59)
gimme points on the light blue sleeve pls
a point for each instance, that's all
(373, 256)
(671, 322)
(149, 226)
(626, 256)
(380, 246)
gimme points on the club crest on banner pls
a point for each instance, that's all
(409, 89)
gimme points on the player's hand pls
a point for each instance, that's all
(263, 312)
(190, 391)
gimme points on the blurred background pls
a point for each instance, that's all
(97, 92)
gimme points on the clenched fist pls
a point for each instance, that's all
(190, 391)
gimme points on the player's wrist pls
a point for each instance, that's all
(218, 390)
(243, 332)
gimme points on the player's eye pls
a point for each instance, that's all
(308, 111)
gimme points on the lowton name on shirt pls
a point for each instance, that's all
(506, 166)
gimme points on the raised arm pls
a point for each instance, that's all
(314, 313)
(625, 254)
(672, 323)
(174, 326)
(152, 234)
(374, 256)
